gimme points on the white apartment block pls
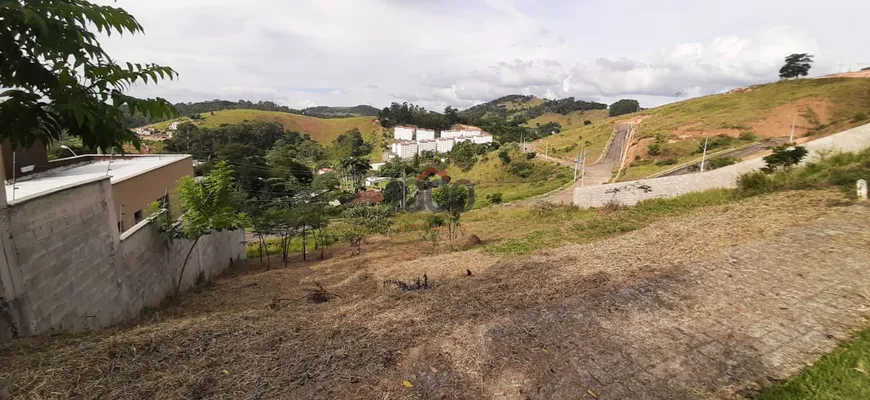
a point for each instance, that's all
(460, 139)
(481, 139)
(425, 134)
(470, 133)
(426, 145)
(404, 149)
(450, 134)
(403, 133)
(443, 145)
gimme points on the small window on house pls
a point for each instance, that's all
(137, 216)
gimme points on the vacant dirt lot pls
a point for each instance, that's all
(689, 307)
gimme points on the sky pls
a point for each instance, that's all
(460, 53)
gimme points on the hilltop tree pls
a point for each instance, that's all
(60, 79)
(624, 106)
(796, 65)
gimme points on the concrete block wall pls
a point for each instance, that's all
(630, 193)
(70, 269)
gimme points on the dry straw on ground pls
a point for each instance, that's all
(357, 338)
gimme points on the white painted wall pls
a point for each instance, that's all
(481, 139)
(425, 134)
(403, 133)
(855, 139)
(428, 145)
(443, 145)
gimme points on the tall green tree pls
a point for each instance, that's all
(57, 77)
(796, 65)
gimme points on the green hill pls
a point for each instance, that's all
(520, 108)
(816, 106)
(323, 130)
(519, 179)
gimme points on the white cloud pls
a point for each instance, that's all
(440, 52)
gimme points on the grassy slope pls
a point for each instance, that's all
(843, 374)
(490, 176)
(321, 130)
(736, 110)
(567, 143)
(573, 120)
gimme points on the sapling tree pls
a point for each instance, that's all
(361, 221)
(208, 206)
(452, 198)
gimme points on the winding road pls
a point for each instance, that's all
(596, 174)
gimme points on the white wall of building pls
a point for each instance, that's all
(425, 134)
(470, 133)
(481, 139)
(450, 134)
(403, 133)
(426, 145)
(406, 149)
(444, 145)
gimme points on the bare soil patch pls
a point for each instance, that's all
(807, 114)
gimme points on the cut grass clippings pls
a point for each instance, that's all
(843, 375)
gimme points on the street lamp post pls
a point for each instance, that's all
(704, 155)
(65, 147)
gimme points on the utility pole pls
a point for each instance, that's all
(704, 155)
(576, 165)
(403, 189)
(583, 170)
(791, 135)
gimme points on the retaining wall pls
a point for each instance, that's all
(630, 193)
(65, 266)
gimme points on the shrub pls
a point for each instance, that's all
(655, 149)
(531, 155)
(504, 157)
(859, 117)
(748, 136)
(587, 122)
(784, 157)
(521, 169)
(754, 183)
(719, 162)
(494, 198)
(667, 161)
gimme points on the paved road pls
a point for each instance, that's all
(596, 174)
(739, 154)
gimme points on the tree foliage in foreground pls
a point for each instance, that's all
(58, 78)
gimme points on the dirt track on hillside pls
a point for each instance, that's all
(687, 307)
